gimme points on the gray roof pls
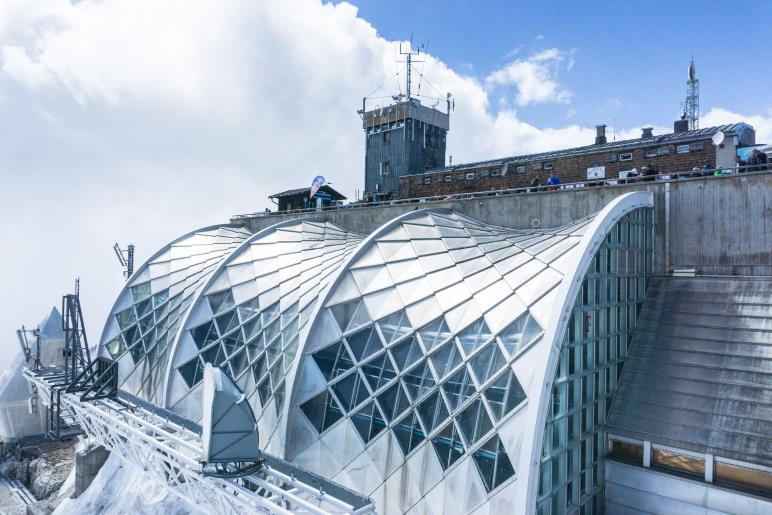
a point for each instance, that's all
(305, 191)
(699, 372)
(654, 141)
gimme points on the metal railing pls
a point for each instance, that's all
(716, 173)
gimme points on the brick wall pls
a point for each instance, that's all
(568, 168)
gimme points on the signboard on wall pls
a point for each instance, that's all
(596, 172)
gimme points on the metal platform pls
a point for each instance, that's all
(168, 448)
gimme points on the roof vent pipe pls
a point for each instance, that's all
(600, 134)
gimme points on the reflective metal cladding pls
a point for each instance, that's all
(420, 365)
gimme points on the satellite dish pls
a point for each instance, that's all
(718, 138)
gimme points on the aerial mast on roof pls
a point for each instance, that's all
(126, 259)
(409, 53)
(691, 108)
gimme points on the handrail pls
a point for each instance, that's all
(724, 173)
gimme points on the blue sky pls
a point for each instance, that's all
(630, 57)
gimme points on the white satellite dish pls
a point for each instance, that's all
(718, 138)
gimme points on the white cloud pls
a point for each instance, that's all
(536, 78)
(762, 124)
(138, 120)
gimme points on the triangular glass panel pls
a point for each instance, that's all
(368, 422)
(459, 388)
(493, 463)
(364, 343)
(191, 371)
(131, 335)
(447, 444)
(395, 326)
(434, 333)
(333, 360)
(393, 401)
(433, 412)
(140, 291)
(160, 297)
(504, 394)
(474, 422)
(221, 301)
(487, 363)
(115, 347)
(226, 322)
(446, 359)
(248, 309)
(144, 307)
(145, 324)
(378, 371)
(239, 362)
(137, 352)
(215, 356)
(350, 391)
(125, 318)
(409, 433)
(418, 381)
(232, 342)
(350, 315)
(321, 410)
(406, 352)
(259, 369)
(474, 335)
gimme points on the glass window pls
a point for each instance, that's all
(458, 388)
(418, 380)
(504, 394)
(350, 315)
(446, 359)
(493, 463)
(627, 451)
(487, 363)
(447, 444)
(432, 412)
(406, 352)
(735, 475)
(409, 433)
(368, 421)
(393, 401)
(395, 326)
(220, 302)
(474, 336)
(322, 411)
(474, 422)
(434, 333)
(682, 149)
(364, 343)
(378, 371)
(678, 462)
(350, 391)
(626, 156)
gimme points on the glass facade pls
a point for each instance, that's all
(145, 320)
(423, 330)
(592, 354)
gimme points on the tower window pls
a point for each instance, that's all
(682, 149)
(470, 176)
(385, 168)
(387, 137)
(427, 180)
(548, 166)
(449, 178)
(520, 168)
(626, 157)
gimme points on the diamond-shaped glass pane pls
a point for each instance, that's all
(406, 352)
(434, 333)
(474, 422)
(458, 388)
(368, 421)
(221, 301)
(364, 343)
(433, 411)
(519, 333)
(446, 359)
(192, 371)
(393, 401)
(248, 309)
(504, 394)
(378, 371)
(226, 322)
(350, 315)
(333, 360)
(409, 433)
(418, 380)
(474, 336)
(447, 444)
(350, 391)
(395, 326)
(493, 463)
(140, 291)
(322, 411)
(487, 363)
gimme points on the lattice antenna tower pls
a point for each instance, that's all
(691, 108)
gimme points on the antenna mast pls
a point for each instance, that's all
(125, 258)
(691, 108)
(409, 59)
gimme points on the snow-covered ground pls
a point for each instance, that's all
(122, 489)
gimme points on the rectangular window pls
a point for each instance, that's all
(495, 172)
(696, 146)
(537, 166)
(627, 451)
(427, 180)
(387, 137)
(470, 176)
(652, 152)
(484, 173)
(679, 462)
(449, 178)
(521, 168)
(385, 168)
(682, 149)
(547, 166)
(612, 158)
(626, 157)
(663, 151)
(742, 476)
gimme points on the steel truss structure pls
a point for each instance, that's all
(169, 449)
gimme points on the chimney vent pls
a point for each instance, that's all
(647, 132)
(680, 126)
(600, 134)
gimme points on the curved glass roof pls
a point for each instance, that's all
(250, 313)
(415, 343)
(145, 319)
